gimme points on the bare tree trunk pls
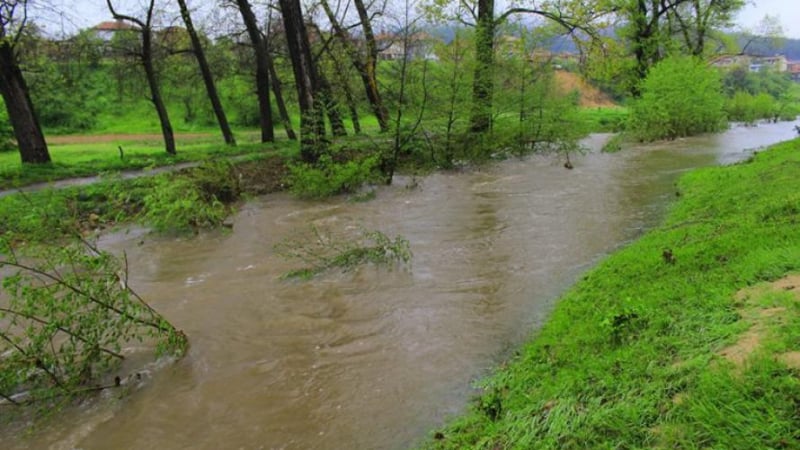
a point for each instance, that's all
(208, 79)
(262, 70)
(371, 66)
(27, 131)
(352, 106)
(331, 106)
(312, 121)
(155, 92)
(146, 57)
(483, 81)
(365, 67)
(286, 120)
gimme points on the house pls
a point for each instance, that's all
(107, 30)
(775, 63)
(391, 48)
(753, 63)
(794, 70)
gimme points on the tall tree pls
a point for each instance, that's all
(651, 27)
(262, 69)
(277, 89)
(145, 55)
(364, 62)
(483, 77)
(696, 20)
(205, 71)
(570, 15)
(312, 109)
(21, 113)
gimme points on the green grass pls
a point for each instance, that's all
(600, 120)
(631, 356)
(77, 160)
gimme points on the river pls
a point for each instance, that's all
(377, 357)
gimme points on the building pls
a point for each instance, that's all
(794, 70)
(107, 30)
(753, 63)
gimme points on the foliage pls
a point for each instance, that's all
(631, 357)
(6, 132)
(329, 177)
(681, 96)
(322, 251)
(191, 201)
(747, 108)
(759, 95)
(66, 85)
(68, 314)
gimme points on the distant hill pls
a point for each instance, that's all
(764, 47)
(564, 44)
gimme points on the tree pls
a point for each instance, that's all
(364, 62)
(260, 50)
(205, 71)
(696, 20)
(681, 96)
(571, 15)
(651, 27)
(312, 119)
(145, 56)
(21, 113)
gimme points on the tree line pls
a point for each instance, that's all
(331, 51)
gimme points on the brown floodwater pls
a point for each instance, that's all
(377, 357)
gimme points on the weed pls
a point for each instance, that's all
(322, 251)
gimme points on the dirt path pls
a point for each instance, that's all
(102, 138)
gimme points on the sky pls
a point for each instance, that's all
(787, 12)
(85, 13)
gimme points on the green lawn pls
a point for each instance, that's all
(90, 158)
(654, 348)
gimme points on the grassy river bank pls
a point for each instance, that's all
(687, 338)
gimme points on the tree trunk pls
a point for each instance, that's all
(331, 107)
(27, 131)
(208, 79)
(312, 121)
(155, 92)
(352, 106)
(368, 76)
(278, 91)
(373, 94)
(262, 70)
(483, 81)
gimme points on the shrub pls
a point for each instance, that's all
(177, 204)
(68, 311)
(681, 96)
(328, 177)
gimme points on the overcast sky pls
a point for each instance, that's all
(85, 13)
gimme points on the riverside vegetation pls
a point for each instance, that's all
(686, 338)
(68, 312)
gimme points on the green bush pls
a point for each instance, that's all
(67, 313)
(328, 177)
(681, 96)
(177, 204)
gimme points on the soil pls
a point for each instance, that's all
(750, 341)
(591, 97)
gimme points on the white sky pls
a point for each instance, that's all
(787, 12)
(85, 13)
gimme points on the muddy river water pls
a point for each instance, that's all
(376, 357)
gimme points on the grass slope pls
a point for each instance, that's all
(654, 348)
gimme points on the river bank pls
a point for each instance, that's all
(686, 338)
